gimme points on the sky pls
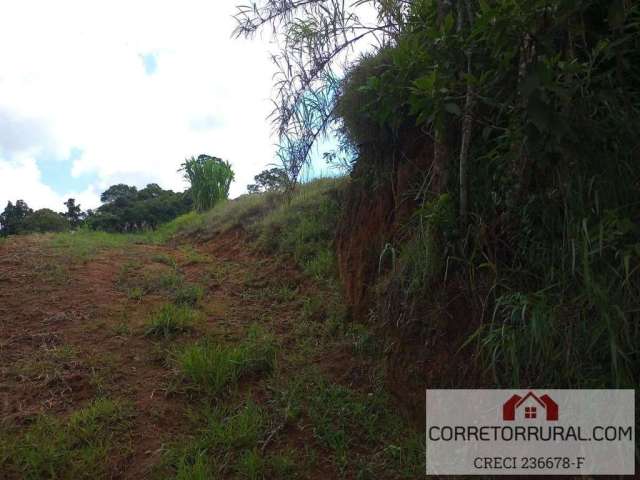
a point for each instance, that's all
(98, 93)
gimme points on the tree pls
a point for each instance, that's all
(129, 209)
(117, 192)
(74, 213)
(12, 218)
(317, 37)
(44, 220)
(210, 179)
(273, 179)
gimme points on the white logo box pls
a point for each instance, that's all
(530, 432)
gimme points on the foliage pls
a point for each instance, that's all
(210, 179)
(127, 209)
(13, 216)
(212, 367)
(74, 213)
(170, 320)
(552, 179)
(273, 179)
(78, 447)
(302, 226)
(44, 220)
(316, 37)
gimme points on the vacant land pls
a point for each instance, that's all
(121, 357)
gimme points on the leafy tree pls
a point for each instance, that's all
(210, 179)
(119, 192)
(74, 213)
(44, 220)
(273, 179)
(12, 218)
(126, 208)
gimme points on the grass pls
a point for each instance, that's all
(362, 431)
(213, 451)
(79, 447)
(213, 368)
(305, 227)
(48, 364)
(302, 227)
(84, 244)
(227, 444)
(165, 259)
(188, 294)
(193, 256)
(171, 320)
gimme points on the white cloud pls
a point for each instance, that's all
(72, 71)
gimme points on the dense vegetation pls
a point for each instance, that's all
(522, 116)
(210, 179)
(126, 209)
(19, 218)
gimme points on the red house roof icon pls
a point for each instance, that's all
(510, 407)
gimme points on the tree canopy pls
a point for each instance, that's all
(125, 208)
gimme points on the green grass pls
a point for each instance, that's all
(227, 444)
(84, 244)
(305, 226)
(168, 230)
(302, 227)
(165, 259)
(222, 433)
(171, 320)
(193, 256)
(213, 368)
(188, 294)
(79, 447)
(362, 432)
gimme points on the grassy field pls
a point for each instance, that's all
(222, 353)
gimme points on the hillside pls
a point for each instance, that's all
(141, 356)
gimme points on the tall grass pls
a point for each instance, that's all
(212, 367)
(567, 312)
(210, 179)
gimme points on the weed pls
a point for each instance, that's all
(135, 293)
(212, 367)
(80, 447)
(165, 260)
(171, 320)
(215, 274)
(188, 294)
(192, 256)
(122, 329)
(225, 432)
(251, 465)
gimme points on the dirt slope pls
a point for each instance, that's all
(72, 330)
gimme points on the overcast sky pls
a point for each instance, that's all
(96, 93)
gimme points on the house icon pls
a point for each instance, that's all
(530, 405)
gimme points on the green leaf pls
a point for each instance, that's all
(453, 109)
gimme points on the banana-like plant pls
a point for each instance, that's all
(210, 179)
